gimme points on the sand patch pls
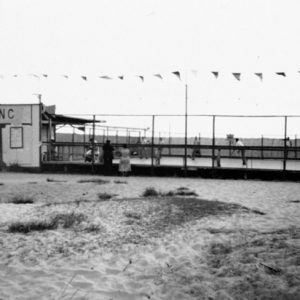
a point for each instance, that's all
(236, 240)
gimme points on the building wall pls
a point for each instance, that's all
(21, 134)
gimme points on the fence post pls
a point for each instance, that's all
(152, 145)
(93, 146)
(285, 145)
(295, 145)
(84, 140)
(186, 129)
(213, 141)
(262, 147)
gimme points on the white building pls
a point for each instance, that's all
(26, 133)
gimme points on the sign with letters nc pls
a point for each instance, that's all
(15, 114)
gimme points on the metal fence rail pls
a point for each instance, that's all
(215, 135)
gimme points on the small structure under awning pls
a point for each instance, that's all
(49, 122)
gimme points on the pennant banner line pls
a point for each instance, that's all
(216, 74)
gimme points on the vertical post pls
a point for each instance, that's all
(1, 154)
(152, 145)
(84, 139)
(295, 145)
(73, 139)
(285, 148)
(117, 137)
(169, 140)
(40, 129)
(213, 141)
(186, 130)
(262, 147)
(199, 143)
(50, 139)
(93, 145)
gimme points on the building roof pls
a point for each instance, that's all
(65, 120)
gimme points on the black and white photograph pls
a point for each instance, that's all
(149, 149)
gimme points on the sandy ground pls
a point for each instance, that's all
(236, 239)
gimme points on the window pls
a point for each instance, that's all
(16, 137)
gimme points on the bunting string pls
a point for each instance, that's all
(177, 74)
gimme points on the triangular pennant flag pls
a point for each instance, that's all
(259, 75)
(121, 77)
(66, 76)
(105, 77)
(177, 74)
(216, 74)
(34, 75)
(84, 78)
(45, 75)
(237, 75)
(158, 76)
(281, 74)
(141, 77)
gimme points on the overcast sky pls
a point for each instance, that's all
(139, 37)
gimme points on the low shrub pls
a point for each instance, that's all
(104, 196)
(26, 227)
(21, 200)
(132, 215)
(98, 181)
(150, 192)
(120, 182)
(55, 180)
(67, 220)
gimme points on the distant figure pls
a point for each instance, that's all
(88, 157)
(144, 149)
(196, 148)
(239, 143)
(159, 150)
(219, 158)
(288, 144)
(124, 165)
(107, 157)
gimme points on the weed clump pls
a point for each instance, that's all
(120, 182)
(150, 192)
(26, 227)
(67, 220)
(64, 220)
(104, 196)
(98, 181)
(55, 180)
(21, 200)
(132, 215)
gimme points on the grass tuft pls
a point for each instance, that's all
(104, 196)
(21, 200)
(26, 227)
(132, 215)
(67, 220)
(55, 180)
(120, 182)
(98, 181)
(150, 192)
(185, 192)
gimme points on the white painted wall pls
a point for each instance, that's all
(28, 117)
